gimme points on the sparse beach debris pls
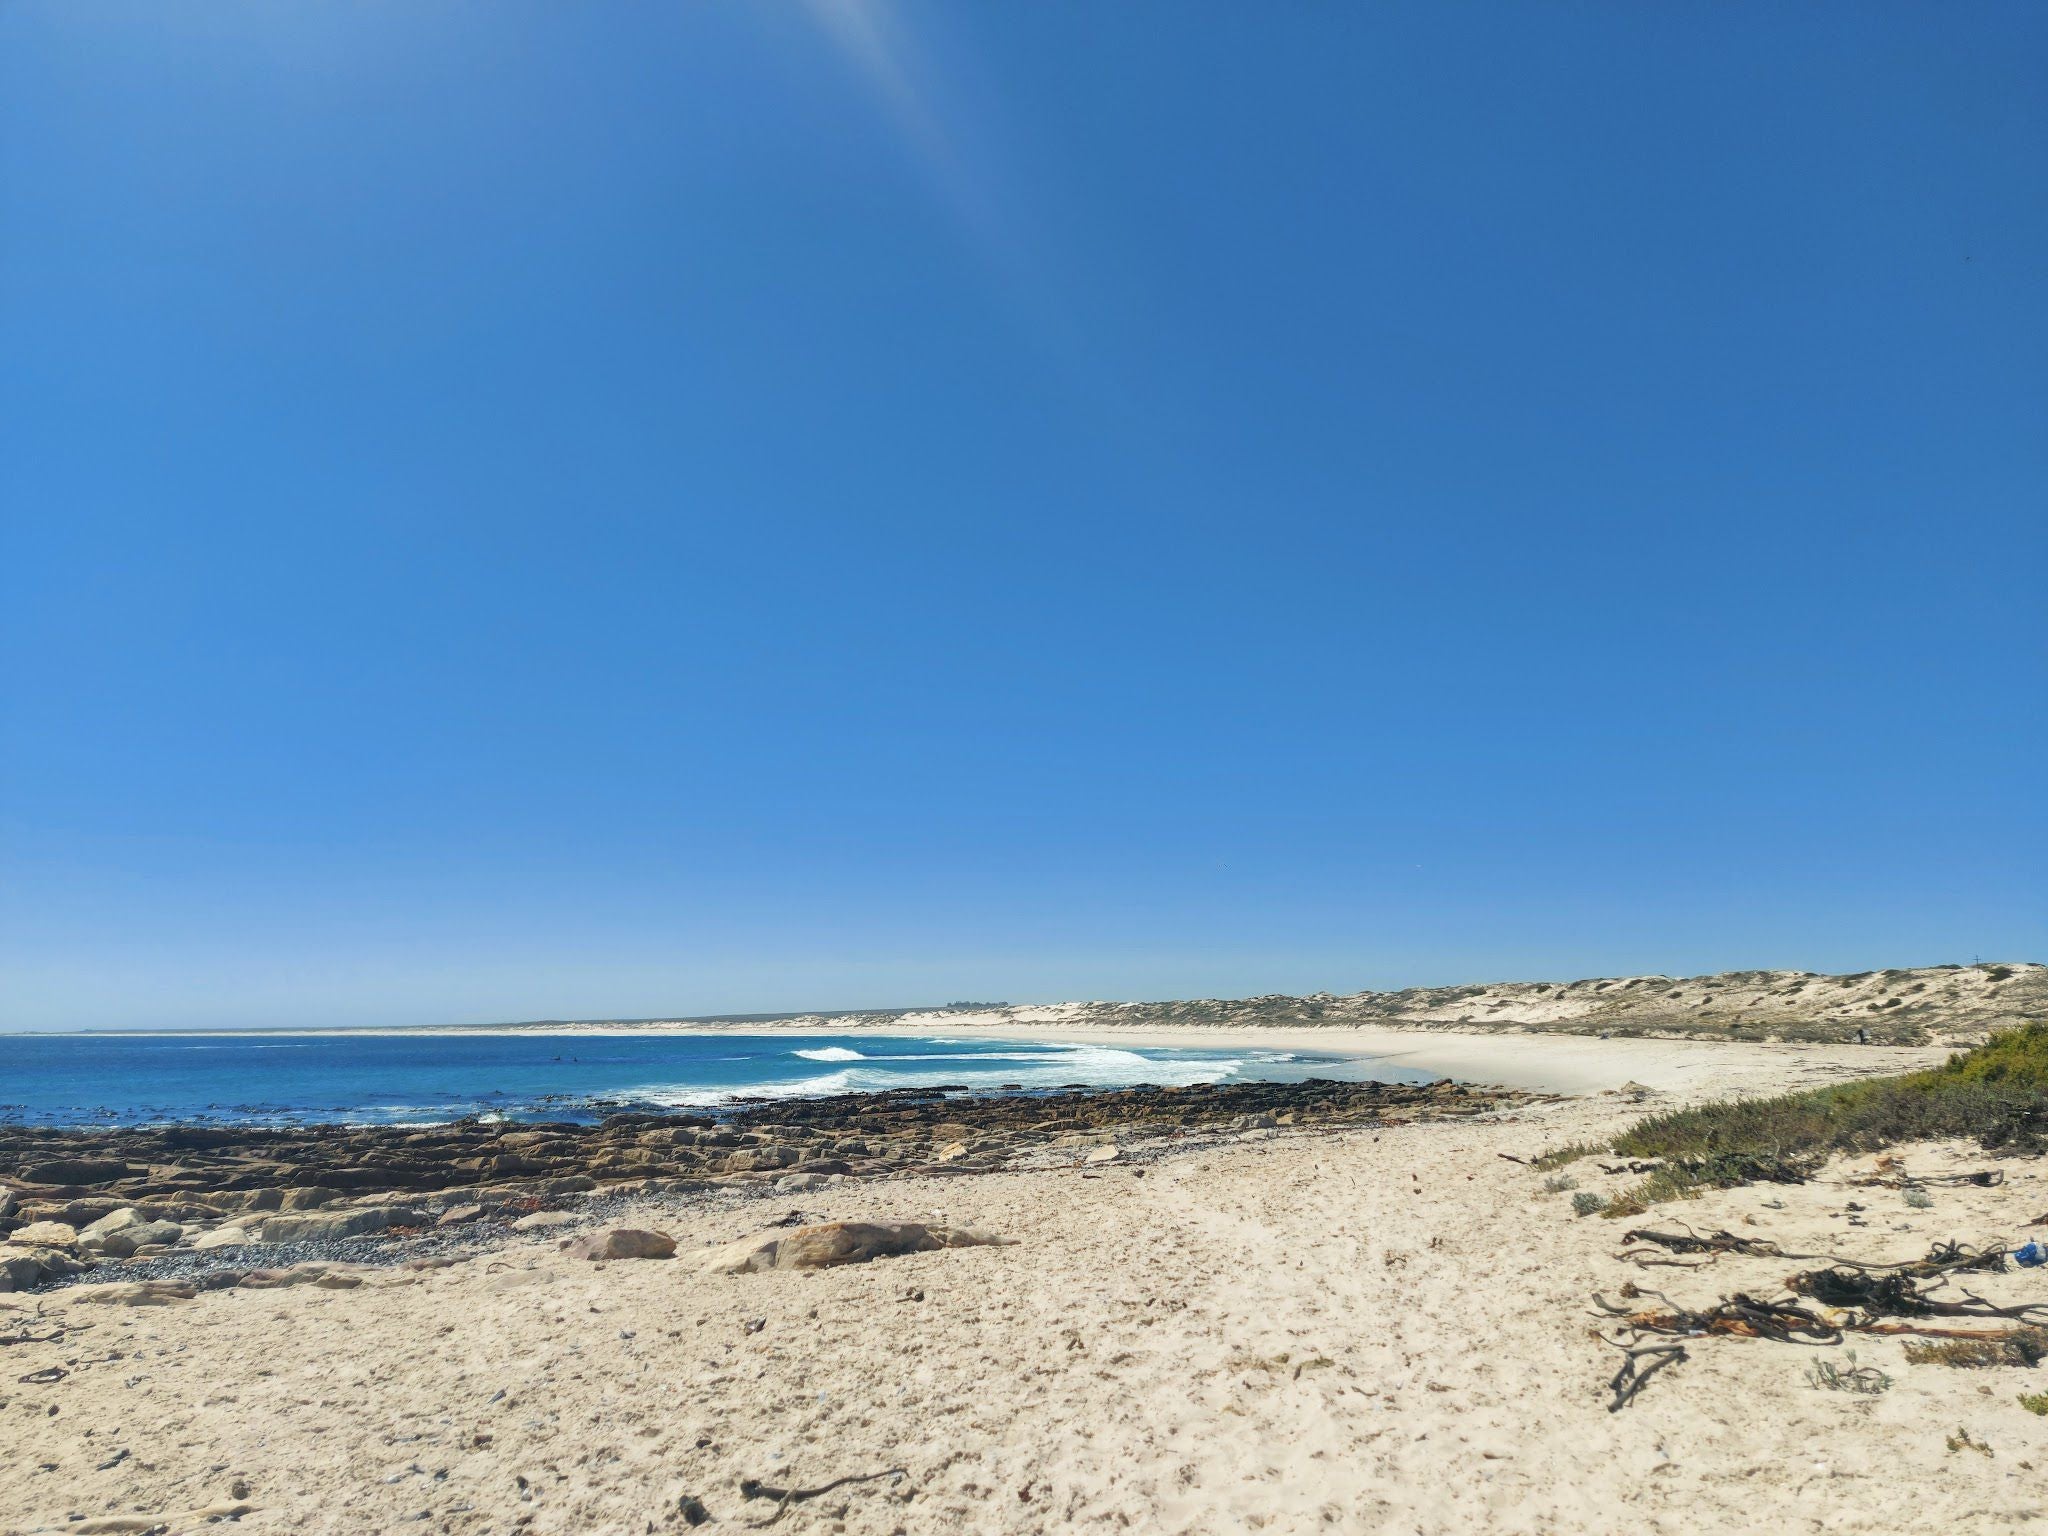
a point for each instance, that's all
(1982, 1178)
(135, 1525)
(1713, 1245)
(753, 1488)
(1737, 1316)
(1634, 1374)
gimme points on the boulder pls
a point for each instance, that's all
(120, 1233)
(45, 1234)
(143, 1236)
(75, 1213)
(838, 1242)
(220, 1237)
(797, 1183)
(9, 1203)
(1102, 1155)
(459, 1215)
(621, 1243)
(21, 1271)
(116, 1220)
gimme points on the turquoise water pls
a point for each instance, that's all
(421, 1078)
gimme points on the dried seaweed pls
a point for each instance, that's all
(1897, 1295)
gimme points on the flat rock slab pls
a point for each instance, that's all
(135, 1293)
(328, 1277)
(331, 1226)
(45, 1234)
(839, 1242)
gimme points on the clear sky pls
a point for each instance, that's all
(529, 510)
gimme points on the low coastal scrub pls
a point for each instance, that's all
(1995, 1095)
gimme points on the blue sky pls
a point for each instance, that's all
(522, 510)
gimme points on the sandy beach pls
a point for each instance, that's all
(1382, 1329)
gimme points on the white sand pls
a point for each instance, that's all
(1368, 1331)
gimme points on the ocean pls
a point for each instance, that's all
(373, 1078)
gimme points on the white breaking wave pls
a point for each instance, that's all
(830, 1053)
(1095, 1066)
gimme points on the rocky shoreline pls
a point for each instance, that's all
(200, 1201)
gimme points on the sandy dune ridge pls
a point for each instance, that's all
(1941, 1004)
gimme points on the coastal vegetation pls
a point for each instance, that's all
(1995, 1095)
